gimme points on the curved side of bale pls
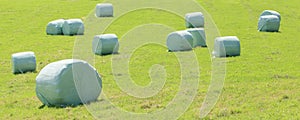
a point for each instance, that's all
(23, 62)
(180, 41)
(271, 12)
(227, 46)
(73, 27)
(105, 44)
(55, 27)
(194, 20)
(104, 10)
(68, 83)
(269, 23)
(199, 37)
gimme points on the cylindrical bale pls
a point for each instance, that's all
(104, 10)
(105, 44)
(73, 27)
(271, 12)
(194, 20)
(227, 46)
(68, 83)
(180, 41)
(23, 62)
(199, 38)
(55, 27)
(269, 23)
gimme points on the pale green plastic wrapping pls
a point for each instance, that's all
(199, 38)
(227, 46)
(68, 83)
(55, 27)
(73, 27)
(271, 12)
(23, 62)
(104, 10)
(180, 41)
(194, 20)
(105, 44)
(269, 23)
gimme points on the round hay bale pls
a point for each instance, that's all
(180, 41)
(23, 62)
(55, 27)
(68, 83)
(271, 12)
(105, 44)
(194, 20)
(104, 10)
(199, 38)
(73, 27)
(227, 46)
(269, 23)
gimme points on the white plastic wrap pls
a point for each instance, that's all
(227, 46)
(55, 27)
(105, 44)
(199, 38)
(104, 10)
(269, 23)
(194, 20)
(180, 41)
(73, 27)
(23, 62)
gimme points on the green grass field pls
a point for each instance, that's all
(263, 83)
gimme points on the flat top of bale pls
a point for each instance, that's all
(269, 17)
(194, 14)
(104, 4)
(271, 11)
(228, 38)
(74, 20)
(22, 54)
(107, 36)
(195, 29)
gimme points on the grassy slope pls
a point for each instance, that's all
(262, 83)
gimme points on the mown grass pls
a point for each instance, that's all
(260, 84)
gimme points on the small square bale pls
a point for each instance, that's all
(23, 62)
(269, 23)
(73, 27)
(104, 10)
(105, 44)
(227, 46)
(198, 36)
(55, 27)
(194, 20)
(180, 41)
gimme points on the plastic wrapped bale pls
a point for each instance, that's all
(271, 12)
(104, 10)
(105, 44)
(23, 62)
(68, 83)
(199, 38)
(55, 27)
(269, 23)
(227, 46)
(180, 41)
(194, 20)
(73, 27)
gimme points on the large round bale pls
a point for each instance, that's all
(105, 44)
(104, 10)
(73, 27)
(227, 46)
(271, 12)
(194, 20)
(180, 41)
(68, 83)
(55, 27)
(199, 38)
(23, 62)
(269, 23)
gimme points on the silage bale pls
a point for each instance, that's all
(55, 27)
(180, 41)
(105, 44)
(269, 23)
(271, 12)
(68, 83)
(73, 27)
(23, 62)
(199, 38)
(104, 10)
(194, 20)
(227, 46)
